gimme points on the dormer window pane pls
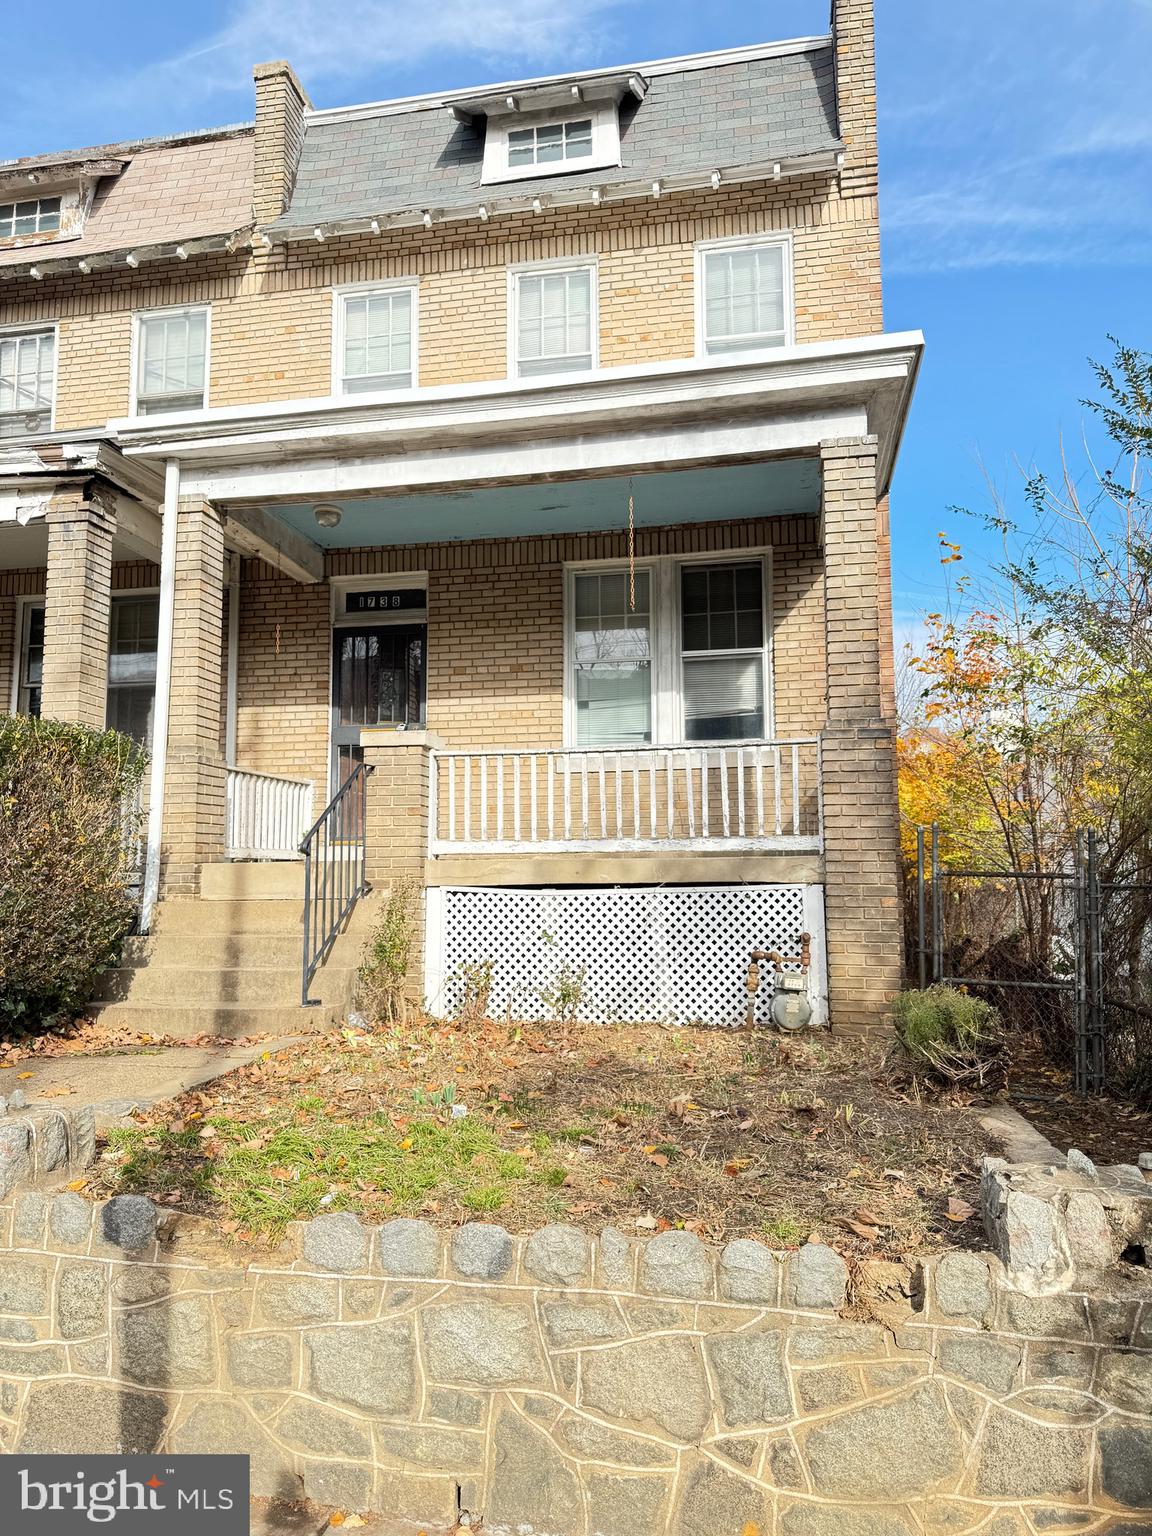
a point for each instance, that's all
(32, 216)
(744, 298)
(172, 360)
(378, 346)
(550, 143)
(27, 383)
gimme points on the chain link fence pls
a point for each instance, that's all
(1064, 954)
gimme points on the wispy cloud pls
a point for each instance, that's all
(359, 43)
(1012, 140)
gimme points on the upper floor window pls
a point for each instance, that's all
(171, 361)
(553, 319)
(27, 382)
(526, 144)
(375, 339)
(744, 290)
(33, 216)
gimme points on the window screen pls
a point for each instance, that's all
(554, 321)
(612, 653)
(722, 651)
(744, 298)
(27, 383)
(172, 352)
(377, 341)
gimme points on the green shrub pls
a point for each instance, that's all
(64, 900)
(949, 1031)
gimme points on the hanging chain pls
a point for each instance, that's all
(631, 550)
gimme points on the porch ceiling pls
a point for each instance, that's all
(780, 487)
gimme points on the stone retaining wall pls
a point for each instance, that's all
(555, 1384)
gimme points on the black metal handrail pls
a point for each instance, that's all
(334, 850)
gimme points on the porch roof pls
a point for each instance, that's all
(674, 415)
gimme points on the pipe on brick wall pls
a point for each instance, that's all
(160, 714)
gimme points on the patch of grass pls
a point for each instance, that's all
(265, 1177)
(785, 1231)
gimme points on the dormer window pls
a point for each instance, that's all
(32, 216)
(551, 128)
(550, 143)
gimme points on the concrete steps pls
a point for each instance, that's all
(228, 963)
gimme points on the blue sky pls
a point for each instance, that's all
(1016, 143)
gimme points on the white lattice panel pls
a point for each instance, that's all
(676, 954)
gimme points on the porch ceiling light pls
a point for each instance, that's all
(327, 515)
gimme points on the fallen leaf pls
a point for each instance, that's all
(869, 1234)
(78, 1184)
(959, 1210)
(336, 1518)
(647, 1223)
(869, 1218)
(658, 1158)
(24, 1076)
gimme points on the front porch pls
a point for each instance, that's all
(618, 632)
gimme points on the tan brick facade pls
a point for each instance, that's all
(194, 783)
(861, 834)
(496, 637)
(77, 607)
(272, 317)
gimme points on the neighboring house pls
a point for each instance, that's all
(374, 394)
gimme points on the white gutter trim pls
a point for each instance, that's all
(432, 100)
(161, 707)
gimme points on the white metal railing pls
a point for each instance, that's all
(759, 794)
(267, 816)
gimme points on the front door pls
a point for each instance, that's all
(377, 679)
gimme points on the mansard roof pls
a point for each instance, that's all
(745, 111)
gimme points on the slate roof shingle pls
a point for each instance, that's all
(737, 113)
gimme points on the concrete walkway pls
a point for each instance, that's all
(116, 1084)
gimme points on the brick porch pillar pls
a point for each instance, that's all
(861, 821)
(77, 608)
(397, 811)
(195, 777)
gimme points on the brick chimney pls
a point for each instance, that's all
(281, 102)
(854, 39)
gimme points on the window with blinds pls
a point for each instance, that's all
(745, 303)
(722, 651)
(612, 655)
(27, 382)
(171, 361)
(377, 345)
(554, 321)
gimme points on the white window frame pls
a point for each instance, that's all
(38, 198)
(23, 603)
(38, 328)
(666, 635)
(703, 249)
(605, 118)
(117, 594)
(589, 264)
(138, 317)
(363, 291)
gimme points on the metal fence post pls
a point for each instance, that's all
(937, 914)
(1094, 1076)
(921, 936)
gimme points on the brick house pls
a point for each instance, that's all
(528, 445)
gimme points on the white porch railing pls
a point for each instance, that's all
(757, 795)
(267, 816)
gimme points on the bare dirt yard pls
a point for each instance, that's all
(726, 1133)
